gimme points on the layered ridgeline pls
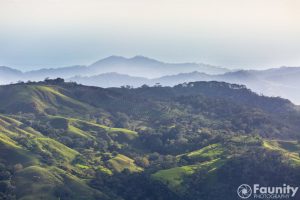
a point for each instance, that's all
(117, 71)
(193, 141)
(282, 82)
(135, 66)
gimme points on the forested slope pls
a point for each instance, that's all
(192, 141)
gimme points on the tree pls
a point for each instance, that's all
(18, 167)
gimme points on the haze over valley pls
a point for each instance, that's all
(117, 71)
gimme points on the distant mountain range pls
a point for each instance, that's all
(283, 82)
(116, 71)
(136, 66)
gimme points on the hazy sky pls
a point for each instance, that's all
(230, 33)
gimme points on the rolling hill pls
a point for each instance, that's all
(62, 140)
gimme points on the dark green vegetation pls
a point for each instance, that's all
(193, 141)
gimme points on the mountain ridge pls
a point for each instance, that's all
(119, 64)
(139, 70)
(275, 84)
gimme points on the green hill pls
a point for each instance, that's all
(47, 168)
(39, 98)
(174, 177)
(289, 149)
(121, 162)
(67, 141)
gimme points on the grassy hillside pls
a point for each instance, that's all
(46, 183)
(120, 162)
(289, 149)
(207, 153)
(174, 177)
(45, 168)
(67, 141)
(207, 160)
(39, 98)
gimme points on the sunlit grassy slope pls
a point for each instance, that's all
(39, 98)
(207, 153)
(174, 177)
(290, 149)
(121, 162)
(91, 130)
(206, 159)
(48, 183)
(212, 157)
(36, 179)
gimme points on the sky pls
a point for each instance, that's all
(239, 34)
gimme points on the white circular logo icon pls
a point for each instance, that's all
(244, 191)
